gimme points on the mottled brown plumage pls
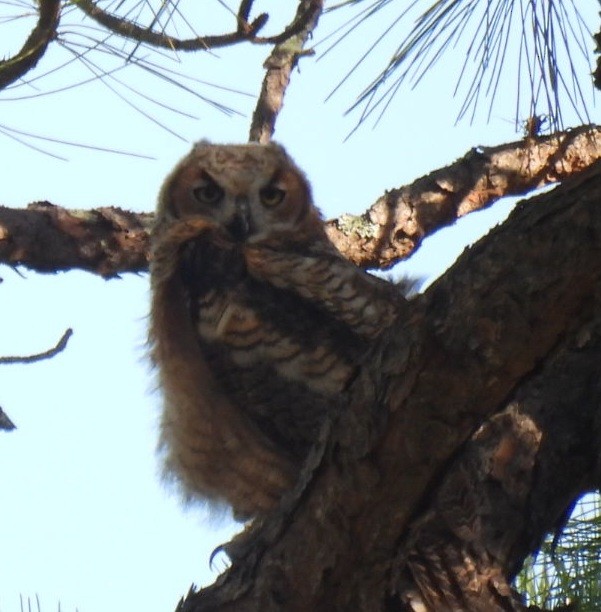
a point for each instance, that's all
(258, 323)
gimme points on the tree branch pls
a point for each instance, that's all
(511, 484)
(111, 241)
(307, 12)
(128, 29)
(5, 423)
(47, 238)
(279, 65)
(398, 221)
(48, 354)
(245, 31)
(35, 46)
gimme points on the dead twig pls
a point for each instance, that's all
(5, 423)
(55, 350)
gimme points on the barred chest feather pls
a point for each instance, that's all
(282, 359)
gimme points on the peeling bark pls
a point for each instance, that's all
(394, 226)
(47, 238)
(512, 483)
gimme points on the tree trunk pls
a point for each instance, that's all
(470, 429)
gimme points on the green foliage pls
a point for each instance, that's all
(570, 571)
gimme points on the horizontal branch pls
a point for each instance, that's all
(128, 29)
(111, 241)
(35, 46)
(47, 238)
(398, 221)
(245, 31)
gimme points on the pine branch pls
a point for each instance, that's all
(395, 225)
(129, 29)
(35, 46)
(246, 31)
(112, 241)
(48, 238)
(279, 66)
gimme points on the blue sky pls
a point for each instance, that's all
(85, 518)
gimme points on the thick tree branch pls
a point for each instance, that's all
(397, 222)
(473, 339)
(511, 484)
(35, 46)
(279, 65)
(46, 238)
(111, 241)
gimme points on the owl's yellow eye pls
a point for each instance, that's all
(208, 193)
(271, 196)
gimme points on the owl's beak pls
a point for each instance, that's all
(240, 224)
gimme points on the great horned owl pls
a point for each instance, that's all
(257, 323)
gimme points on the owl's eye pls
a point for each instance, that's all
(208, 193)
(271, 196)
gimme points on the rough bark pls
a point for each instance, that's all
(513, 482)
(387, 516)
(279, 66)
(48, 238)
(394, 226)
(111, 241)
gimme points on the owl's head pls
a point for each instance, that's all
(251, 192)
